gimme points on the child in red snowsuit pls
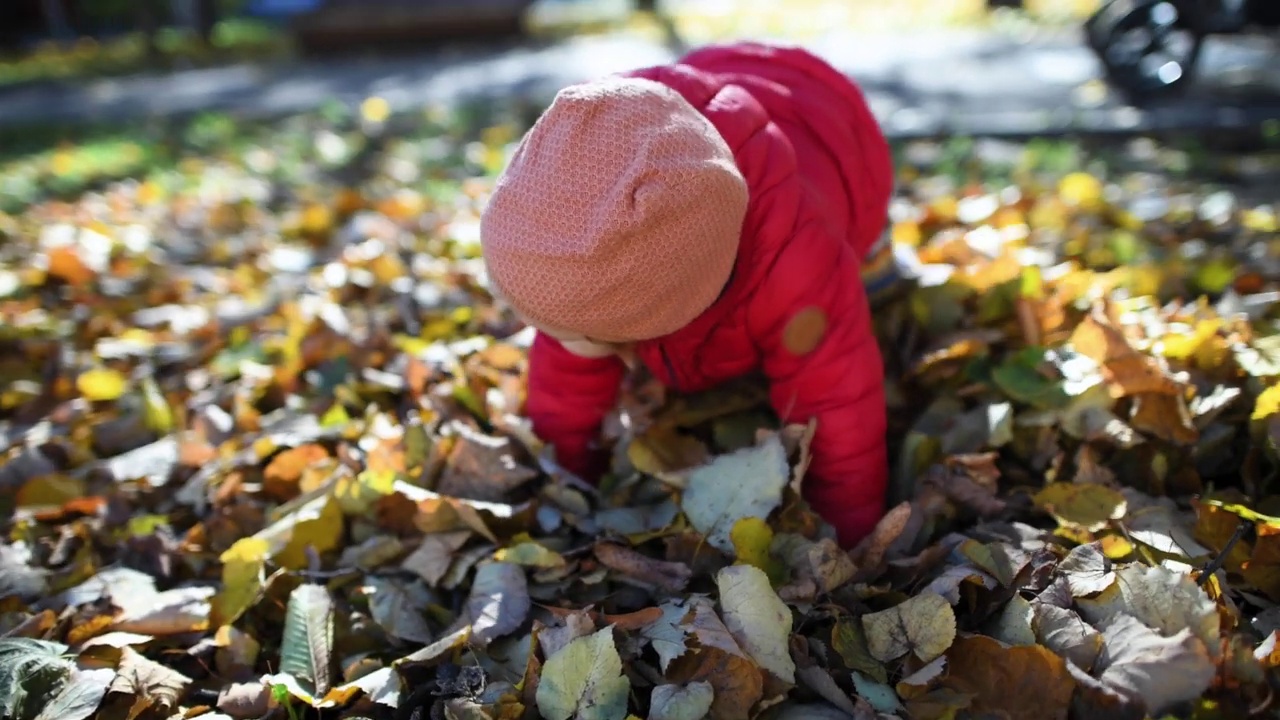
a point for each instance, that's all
(709, 219)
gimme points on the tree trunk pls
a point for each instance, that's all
(55, 16)
(206, 19)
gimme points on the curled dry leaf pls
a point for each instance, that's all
(669, 576)
(1169, 602)
(481, 467)
(151, 684)
(1087, 570)
(1156, 671)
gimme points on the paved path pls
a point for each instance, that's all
(935, 82)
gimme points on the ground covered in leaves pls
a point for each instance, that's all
(262, 455)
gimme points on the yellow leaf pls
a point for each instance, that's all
(50, 490)
(751, 538)
(1090, 506)
(375, 109)
(1268, 403)
(101, 384)
(357, 495)
(1081, 190)
(661, 449)
(242, 566)
(335, 416)
(323, 532)
(156, 413)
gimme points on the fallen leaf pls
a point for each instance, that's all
(153, 685)
(245, 700)
(530, 554)
(172, 612)
(1087, 570)
(101, 384)
(1088, 506)
(32, 673)
(1027, 681)
(1157, 671)
(306, 648)
(718, 659)
(1168, 602)
(849, 640)
(399, 607)
(81, 696)
(757, 618)
(747, 483)
(752, 538)
(879, 695)
(1164, 416)
(499, 601)
(434, 555)
(242, 568)
(669, 576)
(675, 702)
(584, 681)
(662, 449)
(923, 625)
(667, 634)
(1067, 634)
(481, 467)
(1013, 626)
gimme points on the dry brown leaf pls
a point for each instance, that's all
(481, 467)
(434, 555)
(716, 658)
(153, 685)
(1127, 371)
(1164, 416)
(1027, 682)
(670, 576)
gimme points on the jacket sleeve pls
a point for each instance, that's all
(812, 323)
(567, 399)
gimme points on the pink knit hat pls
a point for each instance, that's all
(618, 216)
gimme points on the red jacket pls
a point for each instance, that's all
(819, 176)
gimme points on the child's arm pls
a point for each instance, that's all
(821, 357)
(567, 399)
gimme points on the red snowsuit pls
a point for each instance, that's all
(819, 177)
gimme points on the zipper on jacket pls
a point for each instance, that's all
(671, 368)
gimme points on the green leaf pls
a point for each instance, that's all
(32, 673)
(306, 651)
(850, 642)
(584, 680)
(1020, 378)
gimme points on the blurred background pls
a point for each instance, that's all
(101, 75)
(1022, 65)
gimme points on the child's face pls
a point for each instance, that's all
(582, 346)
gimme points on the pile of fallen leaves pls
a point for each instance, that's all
(262, 456)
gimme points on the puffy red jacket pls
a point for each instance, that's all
(819, 177)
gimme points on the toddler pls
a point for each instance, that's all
(708, 219)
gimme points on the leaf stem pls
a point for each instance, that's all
(1221, 558)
